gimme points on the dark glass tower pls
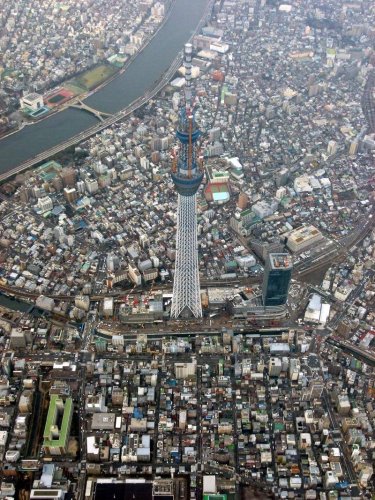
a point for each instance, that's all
(277, 275)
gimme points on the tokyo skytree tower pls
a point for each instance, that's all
(187, 176)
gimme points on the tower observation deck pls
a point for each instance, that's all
(187, 175)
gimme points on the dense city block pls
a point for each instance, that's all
(187, 297)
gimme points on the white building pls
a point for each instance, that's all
(302, 184)
(316, 311)
(32, 101)
(209, 485)
(263, 209)
(82, 302)
(91, 185)
(245, 261)
(330, 479)
(184, 370)
(134, 274)
(108, 306)
(332, 147)
(44, 204)
(303, 237)
(274, 367)
(118, 340)
(220, 47)
(93, 450)
(95, 404)
(12, 455)
(158, 10)
(294, 369)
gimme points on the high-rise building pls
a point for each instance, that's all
(134, 274)
(243, 200)
(70, 194)
(187, 176)
(68, 175)
(332, 147)
(277, 275)
(274, 367)
(353, 148)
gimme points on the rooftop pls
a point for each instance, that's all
(280, 261)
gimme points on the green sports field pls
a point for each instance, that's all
(93, 77)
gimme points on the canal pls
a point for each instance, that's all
(13, 303)
(140, 76)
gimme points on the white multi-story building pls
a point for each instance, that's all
(82, 302)
(91, 185)
(303, 237)
(274, 367)
(32, 101)
(44, 204)
(134, 274)
(294, 369)
(184, 370)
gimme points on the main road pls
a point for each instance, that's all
(146, 75)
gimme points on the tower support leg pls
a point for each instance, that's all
(186, 300)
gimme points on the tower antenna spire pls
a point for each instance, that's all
(187, 65)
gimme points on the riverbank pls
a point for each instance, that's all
(89, 92)
(133, 88)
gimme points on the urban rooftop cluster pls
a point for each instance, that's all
(285, 411)
(265, 187)
(92, 406)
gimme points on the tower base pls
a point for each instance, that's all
(186, 299)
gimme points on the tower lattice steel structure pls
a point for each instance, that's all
(187, 176)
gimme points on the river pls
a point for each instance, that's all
(140, 76)
(14, 304)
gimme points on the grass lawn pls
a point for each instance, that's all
(93, 77)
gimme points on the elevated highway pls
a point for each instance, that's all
(111, 120)
(363, 355)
